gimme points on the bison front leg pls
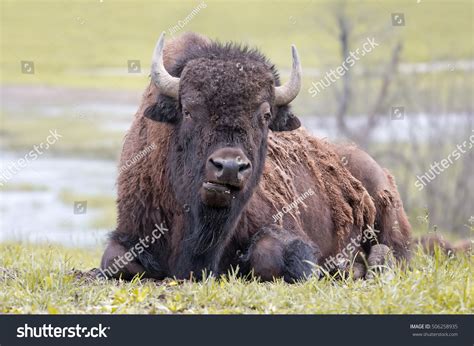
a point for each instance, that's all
(115, 265)
(275, 253)
(380, 257)
(125, 261)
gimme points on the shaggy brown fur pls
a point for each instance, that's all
(317, 226)
(296, 154)
(390, 218)
(177, 47)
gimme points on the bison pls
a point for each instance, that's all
(236, 182)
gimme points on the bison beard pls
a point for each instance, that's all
(221, 84)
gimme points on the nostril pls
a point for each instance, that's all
(216, 163)
(244, 167)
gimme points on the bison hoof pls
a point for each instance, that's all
(380, 256)
(358, 270)
(300, 261)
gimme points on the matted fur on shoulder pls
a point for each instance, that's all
(289, 152)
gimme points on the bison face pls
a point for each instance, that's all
(225, 111)
(222, 108)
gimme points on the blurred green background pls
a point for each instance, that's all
(75, 43)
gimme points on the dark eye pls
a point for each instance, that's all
(187, 115)
(265, 112)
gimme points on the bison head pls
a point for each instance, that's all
(225, 100)
(221, 101)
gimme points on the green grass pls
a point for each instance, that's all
(74, 43)
(40, 279)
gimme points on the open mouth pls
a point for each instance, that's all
(212, 186)
(218, 194)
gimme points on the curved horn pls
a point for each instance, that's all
(166, 83)
(287, 92)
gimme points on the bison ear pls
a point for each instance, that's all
(284, 120)
(165, 110)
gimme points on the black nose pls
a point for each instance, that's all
(228, 166)
(232, 166)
